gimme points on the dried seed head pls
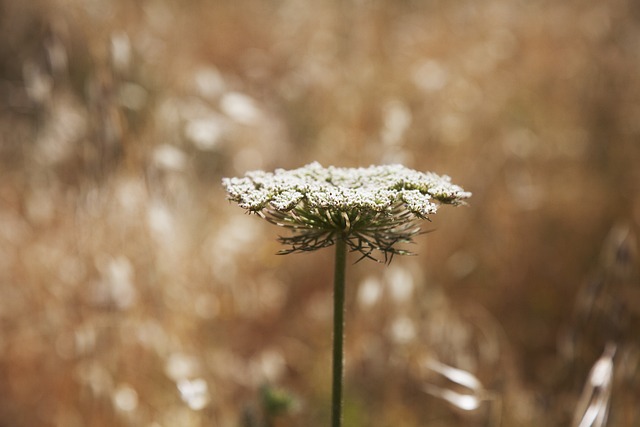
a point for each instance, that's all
(371, 208)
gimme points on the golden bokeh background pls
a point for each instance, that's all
(133, 294)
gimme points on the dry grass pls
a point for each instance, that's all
(132, 294)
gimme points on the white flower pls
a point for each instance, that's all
(371, 208)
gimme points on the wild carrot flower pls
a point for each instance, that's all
(372, 209)
(365, 209)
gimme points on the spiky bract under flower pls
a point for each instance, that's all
(372, 208)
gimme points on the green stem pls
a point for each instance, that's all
(338, 331)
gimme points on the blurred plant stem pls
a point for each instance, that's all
(338, 331)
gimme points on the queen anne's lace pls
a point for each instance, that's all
(371, 208)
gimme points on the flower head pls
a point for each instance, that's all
(372, 208)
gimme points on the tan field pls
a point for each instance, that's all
(132, 293)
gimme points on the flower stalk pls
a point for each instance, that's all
(338, 331)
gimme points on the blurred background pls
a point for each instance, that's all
(133, 294)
